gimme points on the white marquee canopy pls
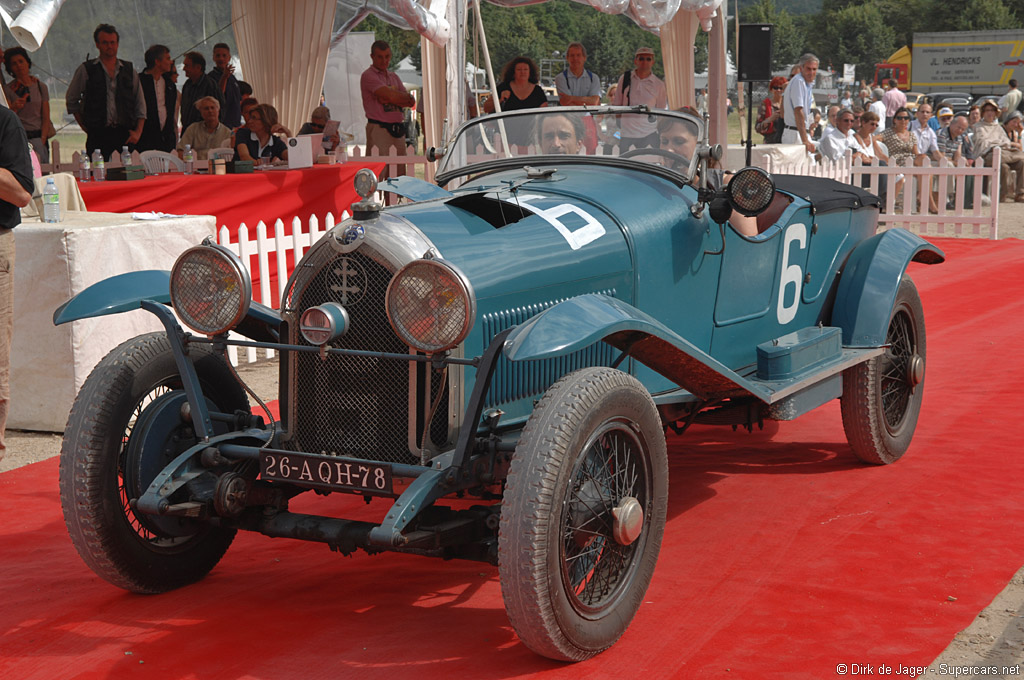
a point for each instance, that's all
(283, 46)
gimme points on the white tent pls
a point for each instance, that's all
(275, 38)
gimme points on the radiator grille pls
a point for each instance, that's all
(354, 406)
(523, 379)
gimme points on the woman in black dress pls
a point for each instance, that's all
(519, 90)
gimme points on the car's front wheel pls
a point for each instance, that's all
(583, 514)
(882, 397)
(125, 425)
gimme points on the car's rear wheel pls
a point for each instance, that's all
(134, 395)
(882, 397)
(583, 514)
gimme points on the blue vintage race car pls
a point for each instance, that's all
(523, 333)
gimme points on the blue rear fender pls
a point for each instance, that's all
(125, 292)
(869, 283)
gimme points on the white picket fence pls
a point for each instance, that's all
(907, 202)
(263, 248)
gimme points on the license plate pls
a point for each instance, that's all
(326, 472)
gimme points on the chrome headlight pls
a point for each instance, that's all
(324, 323)
(210, 289)
(430, 305)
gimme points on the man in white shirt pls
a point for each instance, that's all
(839, 139)
(927, 142)
(636, 87)
(1010, 101)
(797, 102)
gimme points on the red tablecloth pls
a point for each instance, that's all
(234, 199)
(265, 195)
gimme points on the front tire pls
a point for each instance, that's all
(96, 464)
(583, 514)
(882, 397)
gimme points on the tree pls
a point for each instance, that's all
(980, 15)
(403, 43)
(857, 34)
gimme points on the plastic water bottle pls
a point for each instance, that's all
(84, 167)
(190, 158)
(99, 167)
(51, 202)
(126, 156)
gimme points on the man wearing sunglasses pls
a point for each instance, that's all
(797, 102)
(840, 138)
(636, 87)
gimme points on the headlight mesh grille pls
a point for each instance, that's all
(206, 291)
(751, 191)
(428, 306)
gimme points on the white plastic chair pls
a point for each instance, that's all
(161, 161)
(223, 152)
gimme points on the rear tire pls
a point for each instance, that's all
(119, 545)
(882, 397)
(573, 574)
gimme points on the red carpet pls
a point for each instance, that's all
(782, 557)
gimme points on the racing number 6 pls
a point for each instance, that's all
(792, 274)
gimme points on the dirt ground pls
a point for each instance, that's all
(996, 638)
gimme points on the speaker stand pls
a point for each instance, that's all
(750, 113)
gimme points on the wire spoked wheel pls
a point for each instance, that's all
(882, 397)
(125, 425)
(602, 517)
(583, 514)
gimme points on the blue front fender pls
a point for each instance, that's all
(125, 292)
(121, 293)
(581, 321)
(870, 281)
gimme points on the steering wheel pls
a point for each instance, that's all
(679, 161)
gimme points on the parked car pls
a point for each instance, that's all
(978, 99)
(960, 102)
(915, 99)
(522, 334)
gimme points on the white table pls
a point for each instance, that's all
(53, 262)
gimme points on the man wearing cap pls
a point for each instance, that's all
(893, 99)
(1010, 101)
(797, 101)
(878, 107)
(988, 134)
(945, 117)
(636, 87)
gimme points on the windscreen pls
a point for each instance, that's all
(576, 134)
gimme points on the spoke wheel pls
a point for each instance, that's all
(583, 514)
(882, 397)
(103, 467)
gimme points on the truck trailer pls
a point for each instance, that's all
(979, 62)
